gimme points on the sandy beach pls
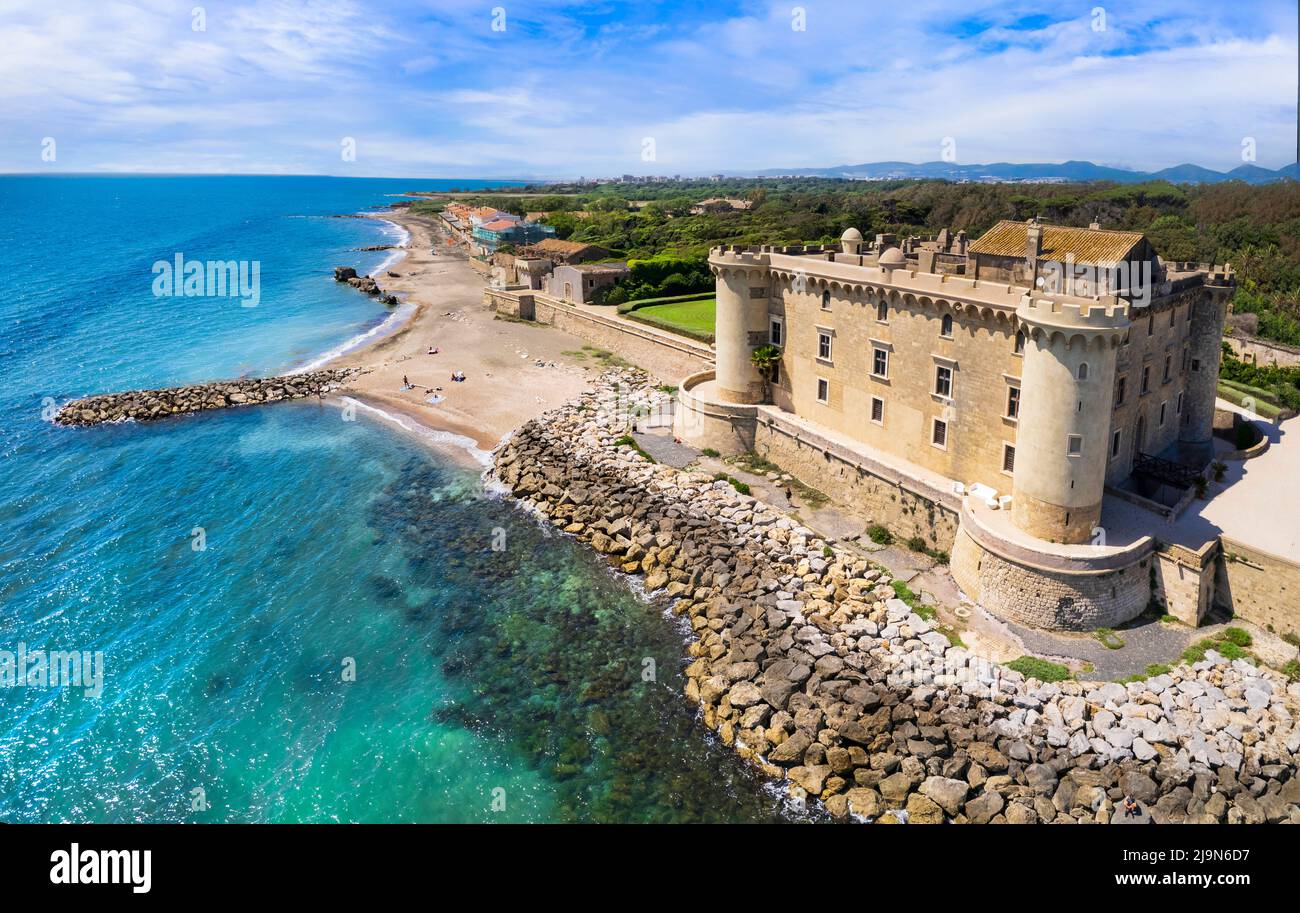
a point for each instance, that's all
(504, 384)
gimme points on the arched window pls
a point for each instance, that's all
(882, 310)
(945, 326)
(1083, 371)
(1020, 341)
(826, 300)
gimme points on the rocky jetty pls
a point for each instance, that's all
(148, 405)
(363, 283)
(806, 662)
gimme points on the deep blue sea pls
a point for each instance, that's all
(301, 618)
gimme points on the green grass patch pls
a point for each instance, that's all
(1223, 643)
(758, 465)
(692, 319)
(905, 593)
(1109, 639)
(879, 535)
(1292, 670)
(628, 441)
(710, 452)
(1041, 669)
(733, 481)
(1238, 636)
(1151, 672)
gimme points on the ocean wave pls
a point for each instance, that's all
(392, 229)
(400, 316)
(443, 438)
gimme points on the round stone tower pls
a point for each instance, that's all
(741, 323)
(1063, 426)
(1205, 340)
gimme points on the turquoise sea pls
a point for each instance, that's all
(301, 618)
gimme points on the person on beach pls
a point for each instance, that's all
(406, 383)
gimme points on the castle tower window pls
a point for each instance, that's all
(1008, 458)
(823, 390)
(1083, 371)
(1169, 364)
(1163, 407)
(1020, 342)
(776, 331)
(1146, 379)
(939, 434)
(823, 346)
(882, 311)
(826, 300)
(877, 410)
(1074, 445)
(1114, 445)
(1179, 407)
(1120, 389)
(1151, 324)
(945, 326)
(880, 363)
(943, 381)
(1013, 402)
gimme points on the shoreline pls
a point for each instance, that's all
(442, 309)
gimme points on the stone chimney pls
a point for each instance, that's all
(1033, 241)
(1095, 226)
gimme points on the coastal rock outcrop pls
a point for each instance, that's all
(149, 405)
(807, 660)
(365, 284)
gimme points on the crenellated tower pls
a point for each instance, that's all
(741, 322)
(1064, 421)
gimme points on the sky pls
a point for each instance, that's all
(550, 89)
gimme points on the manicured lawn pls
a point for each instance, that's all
(694, 319)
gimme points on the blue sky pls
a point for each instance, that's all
(561, 89)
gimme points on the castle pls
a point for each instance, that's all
(989, 396)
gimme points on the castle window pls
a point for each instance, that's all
(945, 326)
(1173, 312)
(1114, 445)
(1179, 407)
(1169, 365)
(1196, 364)
(939, 434)
(1074, 444)
(1163, 407)
(775, 332)
(1013, 402)
(882, 310)
(823, 390)
(823, 346)
(943, 381)
(826, 300)
(880, 363)
(1083, 371)
(1008, 458)
(1151, 323)
(1020, 342)
(1146, 379)
(877, 410)
(1120, 389)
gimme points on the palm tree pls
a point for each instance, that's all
(765, 359)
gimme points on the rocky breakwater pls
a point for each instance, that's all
(805, 660)
(364, 284)
(149, 405)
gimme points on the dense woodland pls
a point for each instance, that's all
(1256, 228)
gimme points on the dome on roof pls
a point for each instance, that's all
(892, 258)
(851, 234)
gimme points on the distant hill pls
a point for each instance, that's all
(1035, 171)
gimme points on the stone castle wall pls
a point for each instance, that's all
(1259, 587)
(1047, 598)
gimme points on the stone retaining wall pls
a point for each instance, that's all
(1259, 586)
(1048, 598)
(150, 405)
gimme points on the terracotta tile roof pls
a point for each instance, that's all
(498, 225)
(556, 246)
(1088, 245)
